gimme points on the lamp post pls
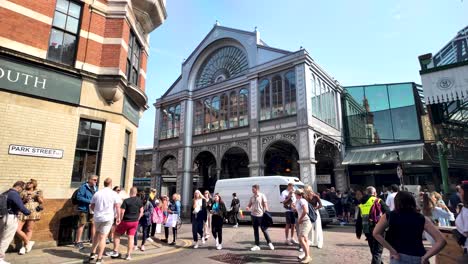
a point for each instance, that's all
(400, 172)
(442, 152)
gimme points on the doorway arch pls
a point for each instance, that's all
(235, 164)
(281, 158)
(204, 171)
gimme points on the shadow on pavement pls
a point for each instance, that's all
(65, 253)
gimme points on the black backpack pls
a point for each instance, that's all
(3, 204)
(312, 214)
(74, 198)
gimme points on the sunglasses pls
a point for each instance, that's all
(117, 190)
(95, 180)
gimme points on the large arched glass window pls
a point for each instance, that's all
(207, 116)
(265, 111)
(170, 122)
(198, 117)
(290, 93)
(223, 113)
(277, 96)
(243, 107)
(233, 103)
(164, 119)
(215, 113)
(177, 121)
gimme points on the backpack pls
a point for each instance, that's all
(312, 214)
(376, 212)
(74, 198)
(3, 204)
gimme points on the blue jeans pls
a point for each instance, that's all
(197, 228)
(406, 259)
(257, 222)
(144, 236)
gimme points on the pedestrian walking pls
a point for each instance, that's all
(105, 205)
(438, 212)
(153, 198)
(131, 211)
(158, 217)
(462, 219)
(218, 211)
(257, 206)
(207, 225)
(83, 196)
(33, 200)
(391, 197)
(235, 206)
(175, 211)
(117, 190)
(11, 204)
(405, 228)
(288, 199)
(305, 225)
(316, 234)
(199, 215)
(145, 221)
(370, 211)
(165, 212)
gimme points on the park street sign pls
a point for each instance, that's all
(35, 151)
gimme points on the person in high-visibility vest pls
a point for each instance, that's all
(371, 209)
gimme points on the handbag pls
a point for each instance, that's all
(158, 228)
(312, 214)
(171, 220)
(459, 237)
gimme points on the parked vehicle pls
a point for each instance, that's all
(271, 186)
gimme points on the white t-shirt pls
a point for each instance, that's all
(300, 210)
(391, 201)
(285, 194)
(198, 206)
(104, 201)
(462, 223)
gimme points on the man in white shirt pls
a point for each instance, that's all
(288, 198)
(106, 205)
(391, 197)
(258, 206)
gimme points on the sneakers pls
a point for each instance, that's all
(112, 254)
(217, 244)
(142, 248)
(135, 248)
(92, 256)
(108, 241)
(255, 248)
(219, 247)
(288, 242)
(149, 240)
(22, 251)
(203, 240)
(271, 246)
(196, 245)
(301, 250)
(301, 256)
(79, 245)
(99, 261)
(294, 241)
(128, 257)
(236, 226)
(172, 243)
(207, 236)
(306, 260)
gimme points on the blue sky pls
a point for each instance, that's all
(357, 42)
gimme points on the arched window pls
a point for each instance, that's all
(164, 119)
(170, 122)
(243, 107)
(290, 93)
(207, 116)
(215, 113)
(277, 96)
(198, 117)
(223, 112)
(233, 121)
(177, 121)
(265, 111)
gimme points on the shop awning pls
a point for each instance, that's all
(376, 155)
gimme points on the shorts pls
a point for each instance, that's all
(290, 219)
(406, 259)
(103, 227)
(304, 228)
(127, 227)
(84, 218)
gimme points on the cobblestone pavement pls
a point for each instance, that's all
(341, 246)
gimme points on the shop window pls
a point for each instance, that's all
(126, 150)
(265, 111)
(290, 93)
(133, 59)
(65, 32)
(233, 121)
(223, 114)
(198, 117)
(88, 150)
(170, 122)
(243, 107)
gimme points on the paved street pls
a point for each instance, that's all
(340, 244)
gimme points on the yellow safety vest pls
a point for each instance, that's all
(365, 211)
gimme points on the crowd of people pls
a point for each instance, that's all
(397, 221)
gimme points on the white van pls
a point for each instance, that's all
(271, 186)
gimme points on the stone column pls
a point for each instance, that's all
(187, 178)
(256, 169)
(308, 172)
(306, 144)
(218, 173)
(155, 170)
(341, 179)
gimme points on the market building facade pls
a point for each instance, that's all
(72, 90)
(241, 108)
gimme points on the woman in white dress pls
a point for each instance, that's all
(316, 235)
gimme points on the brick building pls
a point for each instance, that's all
(72, 90)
